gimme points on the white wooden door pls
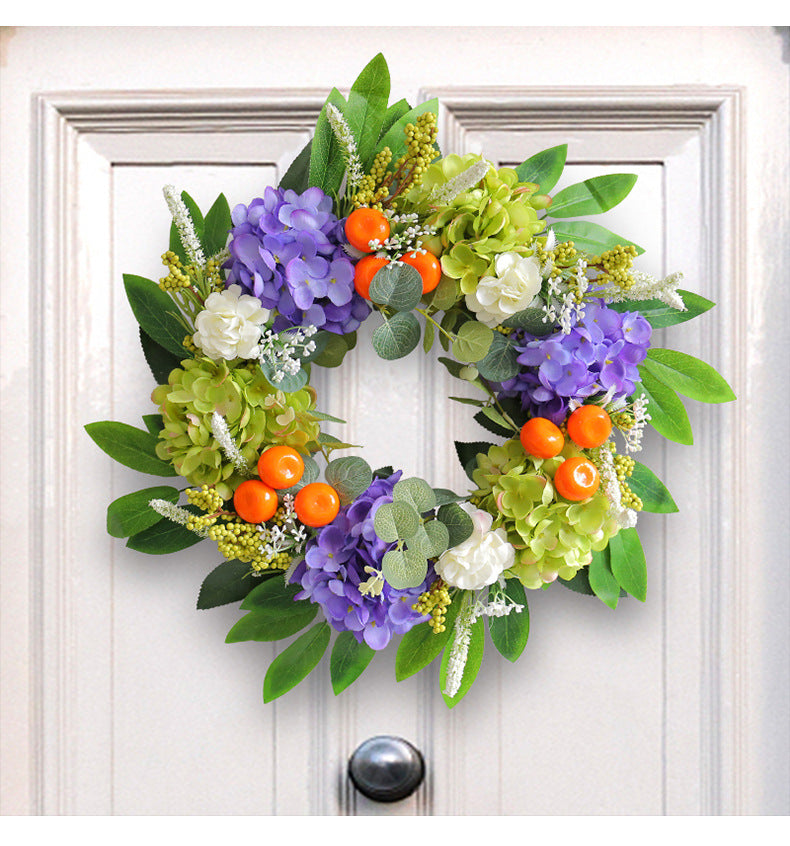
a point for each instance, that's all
(118, 697)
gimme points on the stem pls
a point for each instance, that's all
(428, 317)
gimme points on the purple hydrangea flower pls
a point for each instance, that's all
(286, 249)
(334, 568)
(601, 353)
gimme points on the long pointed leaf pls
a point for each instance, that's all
(296, 662)
(367, 106)
(593, 196)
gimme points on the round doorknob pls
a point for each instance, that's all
(386, 769)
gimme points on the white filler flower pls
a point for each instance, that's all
(480, 559)
(515, 286)
(229, 326)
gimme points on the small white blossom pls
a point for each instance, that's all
(348, 146)
(633, 437)
(515, 286)
(458, 184)
(184, 225)
(459, 650)
(285, 351)
(647, 287)
(219, 429)
(175, 513)
(229, 325)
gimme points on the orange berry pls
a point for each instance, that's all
(427, 265)
(576, 479)
(317, 504)
(280, 467)
(541, 438)
(366, 268)
(589, 426)
(365, 225)
(254, 501)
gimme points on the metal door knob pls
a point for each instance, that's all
(386, 769)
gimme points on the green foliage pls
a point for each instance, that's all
(396, 521)
(650, 489)
(274, 613)
(153, 423)
(156, 313)
(397, 336)
(473, 341)
(129, 446)
(593, 196)
(474, 659)
(197, 221)
(544, 168)
(500, 362)
(459, 524)
(415, 492)
(687, 375)
(217, 226)
(509, 634)
(530, 319)
(601, 579)
(398, 286)
(297, 177)
(349, 476)
(130, 514)
(580, 583)
(395, 138)
(348, 661)
(335, 349)
(367, 107)
(491, 419)
(467, 452)
(404, 568)
(627, 561)
(660, 315)
(591, 237)
(326, 160)
(159, 360)
(296, 662)
(165, 537)
(229, 582)
(420, 645)
(667, 413)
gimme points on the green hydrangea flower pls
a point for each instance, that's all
(552, 536)
(257, 415)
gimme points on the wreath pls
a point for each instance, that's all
(541, 310)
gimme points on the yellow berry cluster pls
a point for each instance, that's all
(177, 275)
(434, 601)
(240, 540)
(615, 265)
(624, 467)
(624, 420)
(212, 275)
(372, 190)
(562, 256)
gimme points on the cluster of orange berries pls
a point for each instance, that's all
(365, 225)
(588, 426)
(280, 468)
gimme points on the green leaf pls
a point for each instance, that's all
(650, 489)
(397, 336)
(348, 661)
(335, 349)
(667, 414)
(593, 196)
(349, 476)
(156, 313)
(474, 658)
(509, 634)
(393, 113)
(154, 423)
(229, 582)
(602, 581)
(296, 662)
(531, 320)
(217, 226)
(467, 452)
(444, 295)
(459, 523)
(396, 521)
(367, 107)
(274, 613)
(687, 375)
(416, 492)
(580, 583)
(165, 537)
(473, 341)
(500, 362)
(130, 514)
(489, 418)
(129, 446)
(395, 138)
(404, 568)
(628, 563)
(398, 286)
(591, 237)
(296, 178)
(432, 539)
(443, 496)
(161, 361)
(661, 315)
(544, 168)
(326, 159)
(420, 646)
(290, 383)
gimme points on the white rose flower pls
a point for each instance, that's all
(480, 559)
(515, 286)
(229, 326)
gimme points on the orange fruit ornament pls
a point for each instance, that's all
(254, 501)
(364, 271)
(541, 438)
(589, 426)
(280, 467)
(427, 265)
(576, 479)
(365, 225)
(317, 504)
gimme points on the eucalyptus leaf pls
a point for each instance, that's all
(443, 496)
(459, 523)
(404, 568)
(296, 662)
(396, 521)
(130, 514)
(348, 661)
(336, 347)
(398, 286)
(416, 492)
(593, 196)
(501, 361)
(432, 539)
(544, 168)
(349, 476)
(397, 336)
(530, 320)
(473, 341)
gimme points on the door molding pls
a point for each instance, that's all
(79, 137)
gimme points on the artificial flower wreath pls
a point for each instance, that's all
(540, 309)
